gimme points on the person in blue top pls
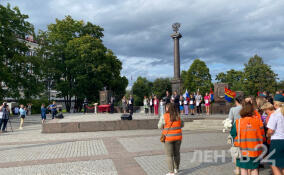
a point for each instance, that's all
(43, 113)
(53, 109)
(23, 113)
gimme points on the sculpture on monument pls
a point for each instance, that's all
(176, 82)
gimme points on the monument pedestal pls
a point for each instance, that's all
(105, 97)
(177, 85)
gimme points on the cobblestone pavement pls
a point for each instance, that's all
(133, 152)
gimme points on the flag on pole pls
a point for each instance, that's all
(186, 94)
(211, 95)
(229, 95)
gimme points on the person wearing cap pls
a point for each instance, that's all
(276, 133)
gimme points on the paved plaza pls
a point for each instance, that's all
(28, 151)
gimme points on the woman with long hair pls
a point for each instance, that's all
(171, 124)
(276, 133)
(124, 104)
(248, 133)
(259, 103)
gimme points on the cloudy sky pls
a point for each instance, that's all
(224, 34)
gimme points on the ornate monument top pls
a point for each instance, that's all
(176, 27)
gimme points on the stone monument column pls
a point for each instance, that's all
(176, 82)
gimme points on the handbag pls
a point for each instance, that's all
(163, 136)
(235, 150)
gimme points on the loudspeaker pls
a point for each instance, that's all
(126, 117)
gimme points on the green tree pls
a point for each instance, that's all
(141, 87)
(19, 72)
(280, 85)
(258, 76)
(160, 86)
(197, 77)
(78, 61)
(235, 79)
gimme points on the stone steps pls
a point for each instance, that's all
(204, 124)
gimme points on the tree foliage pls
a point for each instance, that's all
(280, 85)
(78, 61)
(235, 79)
(20, 73)
(197, 77)
(141, 87)
(160, 86)
(258, 76)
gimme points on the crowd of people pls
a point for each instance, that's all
(128, 104)
(187, 104)
(258, 123)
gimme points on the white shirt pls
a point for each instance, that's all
(276, 123)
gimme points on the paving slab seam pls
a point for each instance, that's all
(97, 138)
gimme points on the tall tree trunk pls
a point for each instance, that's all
(67, 101)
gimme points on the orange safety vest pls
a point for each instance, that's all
(257, 114)
(251, 134)
(258, 117)
(172, 130)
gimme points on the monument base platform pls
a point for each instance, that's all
(102, 122)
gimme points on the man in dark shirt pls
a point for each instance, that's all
(176, 100)
(167, 97)
(130, 104)
(85, 104)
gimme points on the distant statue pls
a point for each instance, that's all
(176, 27)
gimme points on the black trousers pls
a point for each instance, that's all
(112, 108)
(53, 113)
(198, 108)
(130, 109)
(85, 109)
(4, 122)
(146, 110)
(151, 109)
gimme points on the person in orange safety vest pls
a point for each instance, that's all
(171, 124)
(249, 136)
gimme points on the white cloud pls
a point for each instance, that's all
(223, 34)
